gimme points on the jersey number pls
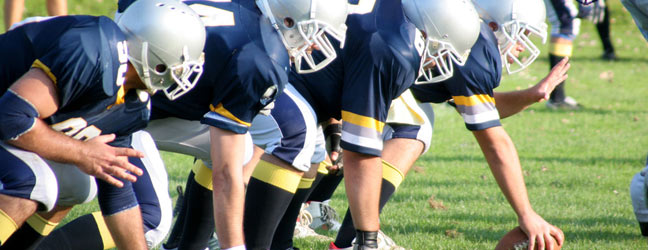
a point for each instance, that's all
(363, 7)
(122, 52)
(77, 128)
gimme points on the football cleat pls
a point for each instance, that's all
(302, 229)
(569, 104)
(385, 243)
(332, 246)
(324, 216)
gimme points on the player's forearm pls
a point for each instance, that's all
(50, 144)
(504, 163)
(227, 150)
(229, 197)
(513, 102)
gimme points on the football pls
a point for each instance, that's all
(516, 239)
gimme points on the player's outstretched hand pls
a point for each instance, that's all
(107, 162)
(557, 75)
(541, 233)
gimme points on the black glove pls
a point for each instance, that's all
(333, 135)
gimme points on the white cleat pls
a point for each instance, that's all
(324, 216)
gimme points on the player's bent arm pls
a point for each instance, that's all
(34, 97)
(227, 149)
(513, 102)
(502, 158)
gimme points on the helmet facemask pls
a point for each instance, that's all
(314, 32)
(303, 36)
(443, 55)
(512, 33)
(175, 80)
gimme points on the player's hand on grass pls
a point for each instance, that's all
(107, 162)
(557, 75)
(541, 234)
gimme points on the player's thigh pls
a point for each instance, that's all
(75, 187)
(188, 138)
(289, 132)
(561, 14)
(26, 175)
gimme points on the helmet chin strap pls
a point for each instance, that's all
(146, 74)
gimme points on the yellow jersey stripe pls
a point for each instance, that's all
(473, 100)
(121, 97)
(224, 112)
(364, 121)
(41, 65)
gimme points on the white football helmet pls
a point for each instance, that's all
(302, 23)
(165, 40)
(516, 21)
(450, 27)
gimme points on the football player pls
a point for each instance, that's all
(506, 28)
(73, 90)
(380, 60)
(638, 193)
(248, 51)
(404, 146)
(565, 26)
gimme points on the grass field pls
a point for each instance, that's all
(577, 164)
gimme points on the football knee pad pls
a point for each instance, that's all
(19, 118)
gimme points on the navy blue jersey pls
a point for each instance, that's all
(378, 62)
(86, 58)
(471, 86)
(246, 67)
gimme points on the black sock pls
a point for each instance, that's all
(198, 223)
(603, 29)
(284, 234)
(176, 232)
(269, 192)
(559, 92)
(26, 237)
(325, 187)
(82, 233)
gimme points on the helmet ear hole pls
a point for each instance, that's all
(289, 22)
(160, 68)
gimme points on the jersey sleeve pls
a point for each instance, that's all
(472, 94)
(254, 82)
(375, 75)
